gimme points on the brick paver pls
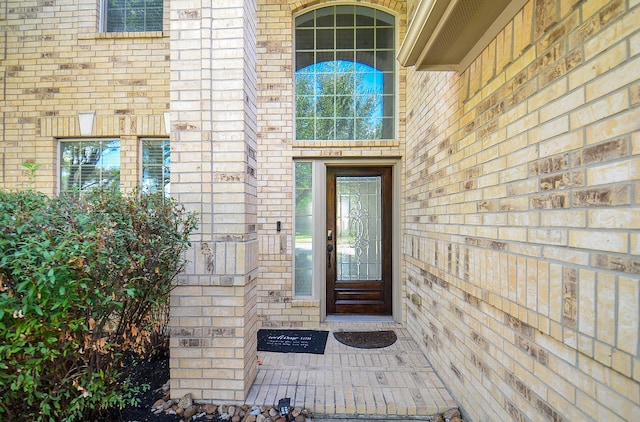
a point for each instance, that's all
(394, 381)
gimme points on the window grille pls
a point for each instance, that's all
(133, 15)
(345, 74)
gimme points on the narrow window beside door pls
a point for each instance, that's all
(303, 229)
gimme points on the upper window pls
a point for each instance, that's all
(156, 165)
(88, 164)
(133, 15)
(345, 74)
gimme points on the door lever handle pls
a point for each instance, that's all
(329, 250)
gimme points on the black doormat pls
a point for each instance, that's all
(292, 341)
(366, 339)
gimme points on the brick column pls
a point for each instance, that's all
(213, 142)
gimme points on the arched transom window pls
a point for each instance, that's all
(345, 74)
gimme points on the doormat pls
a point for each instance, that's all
(292, 341)
(366, 339)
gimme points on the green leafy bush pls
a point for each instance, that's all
(81, 280)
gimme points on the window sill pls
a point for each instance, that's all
(121, 35)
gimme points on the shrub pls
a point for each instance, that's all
(80, 282)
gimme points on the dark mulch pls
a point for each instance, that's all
(155, 373)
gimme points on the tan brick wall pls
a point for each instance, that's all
(277, 149)
(521, 187)
(55, 64)
(213, 119)
(522, 216)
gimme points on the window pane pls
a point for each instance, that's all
(305, 21)
(364, 16)
(344, 39)
(345, 129)
(365, 39)
(325, 82)
(385, 38)
(325, 56)
(348, 76)
(324, 17)
(324, 39)
(304, 39)
(325, 129)
(365, 57)
(385, 60)
(305, 129)
(156, 165)
(384, 19)
(134, 15)
(303, 230)
(326, 106)
(345, 15)
(388, 85)
(366, 130)
(345, 106)
(115, 21)
(388, 129)
(89, 164)
(345, 56)
(304, 60)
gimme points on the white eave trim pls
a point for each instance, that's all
(422, 25)
(423, 46)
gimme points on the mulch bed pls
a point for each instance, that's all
(155, 373)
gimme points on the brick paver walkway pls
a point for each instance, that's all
(392, 381)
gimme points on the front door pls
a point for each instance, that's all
(359, 240)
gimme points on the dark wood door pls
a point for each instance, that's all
(359, 204)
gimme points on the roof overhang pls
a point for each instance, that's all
(450, 34)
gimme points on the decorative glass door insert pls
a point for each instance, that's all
(358, 227)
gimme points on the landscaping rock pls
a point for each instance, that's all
(250, 418)
(451, 413)
(210, 409)
(190, 411)
(185, 401)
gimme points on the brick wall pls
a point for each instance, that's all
(522, 216)
(521, 189)
(54, 64)
(213, 103)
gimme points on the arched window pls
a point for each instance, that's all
(345, 74)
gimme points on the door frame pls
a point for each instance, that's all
(320, 228)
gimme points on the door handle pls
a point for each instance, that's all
(329, 250)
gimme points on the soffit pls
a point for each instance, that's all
(449, 34)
